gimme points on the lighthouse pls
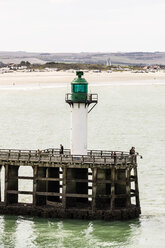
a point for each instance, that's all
(79, 100)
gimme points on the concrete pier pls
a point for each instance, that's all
(99, 185)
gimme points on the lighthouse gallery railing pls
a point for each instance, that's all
(91, 98)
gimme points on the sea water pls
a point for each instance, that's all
(128, 114)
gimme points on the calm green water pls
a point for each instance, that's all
(127, 115)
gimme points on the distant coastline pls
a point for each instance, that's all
(53, 78)
(102, 58)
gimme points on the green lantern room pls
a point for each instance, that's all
(79, 88)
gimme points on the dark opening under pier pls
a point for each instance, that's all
(100, 185)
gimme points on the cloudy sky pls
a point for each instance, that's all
(82, 25)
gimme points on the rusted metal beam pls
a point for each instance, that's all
(48, 179)
(21, 177)
(79, 195)
(16, 192)
(79, 180)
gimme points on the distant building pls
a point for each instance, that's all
(109, 62)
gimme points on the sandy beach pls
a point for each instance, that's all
(51, 78)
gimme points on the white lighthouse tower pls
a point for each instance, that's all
(79, 101)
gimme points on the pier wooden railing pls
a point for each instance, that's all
(53, 156)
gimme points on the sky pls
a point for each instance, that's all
(82, 25)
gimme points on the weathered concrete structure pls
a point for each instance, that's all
(99, 185)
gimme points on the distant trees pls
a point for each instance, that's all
(1, 64)
(73, 66)
(25, 63)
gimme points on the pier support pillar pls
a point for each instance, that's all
(11, 184)
(41, 186)
(103, 188)
(75, 185)
(120, 188)
(113, 176)
(94, 188)
(64, 188)
(34, 184)
(53, 186)
(136, 188)
(128, 187)
(0, 181)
